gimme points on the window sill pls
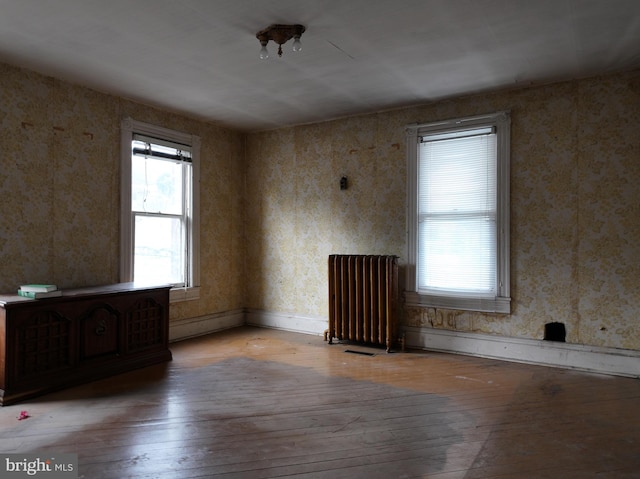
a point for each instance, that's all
(177, 295)
(484, 305)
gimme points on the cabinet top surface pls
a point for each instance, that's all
(9, 299)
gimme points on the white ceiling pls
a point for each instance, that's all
(200, 57)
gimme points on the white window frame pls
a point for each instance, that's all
(501, 303)
(129, 127)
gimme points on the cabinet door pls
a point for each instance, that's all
(99, 332)
(146, 320)
(44, 342)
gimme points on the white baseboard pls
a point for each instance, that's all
(618, 362)
(192, 327)
(287, 322)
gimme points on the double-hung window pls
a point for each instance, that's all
(458, 214)
(159, 243)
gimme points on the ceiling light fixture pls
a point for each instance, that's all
(280, 34)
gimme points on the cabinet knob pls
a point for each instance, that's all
(101, 329)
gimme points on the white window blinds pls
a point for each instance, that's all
(457, 213)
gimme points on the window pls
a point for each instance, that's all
(458, 213)
(159, 218)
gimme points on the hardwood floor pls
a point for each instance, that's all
(258, 403)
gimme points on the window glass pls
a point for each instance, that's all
(457, 217)
(159, 250)
(156, 185)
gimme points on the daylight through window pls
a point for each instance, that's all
(160, 204)
(159, 207)
(458, 181)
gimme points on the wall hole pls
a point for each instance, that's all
(555, 332)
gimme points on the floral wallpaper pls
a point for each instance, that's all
(60, 188)
(272, 208)
(575, 209)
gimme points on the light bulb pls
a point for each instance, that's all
(297, 46)
(264, 53)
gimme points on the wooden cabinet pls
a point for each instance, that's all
(83, 335)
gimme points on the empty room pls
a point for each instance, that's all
(309, 239)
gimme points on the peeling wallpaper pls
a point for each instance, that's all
(575, 209)
(60, 189)
(272, 210)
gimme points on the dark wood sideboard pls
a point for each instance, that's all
(83, 335)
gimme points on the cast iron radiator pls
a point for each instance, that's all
(363, 299)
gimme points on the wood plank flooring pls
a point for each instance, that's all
(258, 403)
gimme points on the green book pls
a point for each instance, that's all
(38, 288)
(31, 294)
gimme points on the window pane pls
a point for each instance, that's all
(458, 175)
(156, 185)
(159, 250)
(457, 255)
